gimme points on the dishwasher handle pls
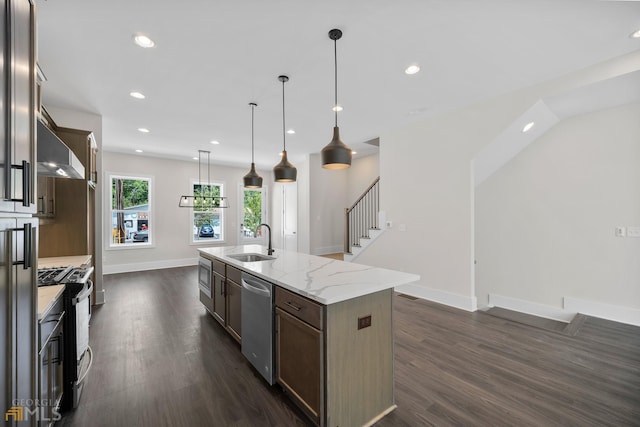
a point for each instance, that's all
(255, 286)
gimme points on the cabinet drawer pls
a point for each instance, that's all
(234, 274)
(218, 267)
(301, 307)
(48, 324)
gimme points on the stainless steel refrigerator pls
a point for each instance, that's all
(18, 229)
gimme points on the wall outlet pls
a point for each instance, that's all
(633, 231)
(621, 231)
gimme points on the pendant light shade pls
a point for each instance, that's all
(336, 155)
(284, 171)
(252, 179)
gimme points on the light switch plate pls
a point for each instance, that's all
(633, 231)
(621, 232)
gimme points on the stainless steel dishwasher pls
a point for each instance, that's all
(257, 324)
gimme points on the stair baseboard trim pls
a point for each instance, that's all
(616, 313)
(467, 303)
(153, 265)
(529, 307)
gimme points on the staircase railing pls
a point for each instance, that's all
(362, 216)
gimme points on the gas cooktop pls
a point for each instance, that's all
(63, 275)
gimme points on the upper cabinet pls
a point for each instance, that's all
(18, 94)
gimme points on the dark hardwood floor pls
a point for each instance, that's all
(161, 360)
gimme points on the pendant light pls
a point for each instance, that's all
(336, 155)
(284, 171)
(202, 202)
(252, 179)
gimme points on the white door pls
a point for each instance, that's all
(290, 216)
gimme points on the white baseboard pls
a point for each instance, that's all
(442, 297)
(323, 250)
(616, 313)
(528, 307)
(144, 266)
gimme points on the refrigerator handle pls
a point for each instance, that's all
(27, 249)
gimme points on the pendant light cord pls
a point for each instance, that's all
(284, 134)
(335, 69)
(252, 107)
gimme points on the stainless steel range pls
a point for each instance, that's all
(77, 305)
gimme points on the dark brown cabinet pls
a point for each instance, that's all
(225, 303)
(46, 197)
(299, 350)
(50, 357)
(73, 230)
(218, 295)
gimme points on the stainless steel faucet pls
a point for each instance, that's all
(269, 249)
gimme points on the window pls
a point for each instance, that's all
(208, 225)
(252, 214)
(131, 224)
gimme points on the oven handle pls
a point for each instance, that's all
(84, 294)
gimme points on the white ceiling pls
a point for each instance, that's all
(213, 57)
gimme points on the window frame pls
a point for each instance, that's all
(109, 244)
(242, 239)
(220, 211)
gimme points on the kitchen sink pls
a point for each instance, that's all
(251, 257)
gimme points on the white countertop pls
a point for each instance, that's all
(64, 261)
(47, 295)
(324, 280)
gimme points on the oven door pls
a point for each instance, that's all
(204, 276)
(82, 304)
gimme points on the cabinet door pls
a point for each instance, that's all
(234, 309)
(218, 293)
(56, 357)
(18, 257)
(17, 110)
(46, 197)
(299, 361)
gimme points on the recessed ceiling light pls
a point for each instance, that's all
(194, 158)
(354, 152)
(136, 95)
(138, 151)
(528, 127)
(214, 142)
(280, 154)
(635, 35)
(337, 108)
(143, 41)
(291, 131)
(412, 69)
(143, 130)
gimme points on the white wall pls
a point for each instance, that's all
(171, 224)
(91, 122)
(437, 214)
(327, 202)
(545, 222)
(363, 171)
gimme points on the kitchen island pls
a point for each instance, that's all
(333, 329)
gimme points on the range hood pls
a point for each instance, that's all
(55, 158)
